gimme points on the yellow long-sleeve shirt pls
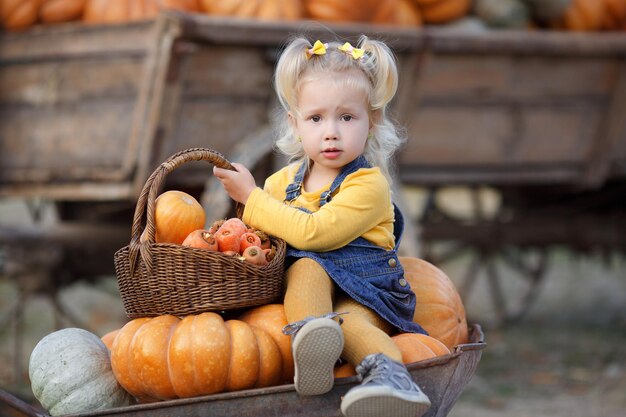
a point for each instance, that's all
(360, 207)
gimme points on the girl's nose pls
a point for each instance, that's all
(331, 132)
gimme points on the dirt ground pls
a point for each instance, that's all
(565, 359)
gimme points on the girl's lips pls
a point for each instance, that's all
(331, 153)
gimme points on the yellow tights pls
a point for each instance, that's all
(310, 292)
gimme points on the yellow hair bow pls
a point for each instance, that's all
(356, 53)
(318, 48)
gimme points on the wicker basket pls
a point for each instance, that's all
(165, 278)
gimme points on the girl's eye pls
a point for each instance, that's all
(346, 117)
(316, 118)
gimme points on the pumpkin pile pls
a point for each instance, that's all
(574, 15)
(167, 357)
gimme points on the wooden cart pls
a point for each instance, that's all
(87, 112)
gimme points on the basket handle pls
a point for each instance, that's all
(147, 199)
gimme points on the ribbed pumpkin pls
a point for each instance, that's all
(176, 215)
(259, 9)
(397, 12)
(582, 15)
(165, 357)
(271, 318)
(341, 11)
(109, 337)
(53, 11)
(439, 308)
(70, 372)
(442, 11)
(414, 347)
(119, 11)
(20, 14)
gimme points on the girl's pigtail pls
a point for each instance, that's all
(291, 63)
(380, 65)
(382, 70)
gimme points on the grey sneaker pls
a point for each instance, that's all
(317, 343)
(387, 390)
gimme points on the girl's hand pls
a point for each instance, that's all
(238, 184)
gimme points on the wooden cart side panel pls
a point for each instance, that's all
(68, 96)
(501, 117)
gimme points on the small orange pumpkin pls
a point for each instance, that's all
(582, 15)
(442, 11)
(397, 12)
(259, 9)
(109, 337)
(165, 357)
(18, 14)
(53, 11)
(177, 214)
(439, 308)
(272, 319)
(341, 11)
(119, 11)
(615, 15)
(414, 347)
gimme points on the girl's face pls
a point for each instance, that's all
(333, 123)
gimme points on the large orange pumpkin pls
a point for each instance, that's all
(442, 11)
(439, 308)
(259, 9)
(272, 319)
(176, 215)
(166, 357)
(118, 11)
(414, 347)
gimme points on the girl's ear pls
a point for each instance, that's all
(292, 120)
(375, 117)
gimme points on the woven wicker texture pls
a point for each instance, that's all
(164, 278)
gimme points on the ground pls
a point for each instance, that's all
(565, 359)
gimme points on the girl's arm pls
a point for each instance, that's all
(361, 205)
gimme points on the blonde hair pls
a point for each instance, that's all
(375, 73)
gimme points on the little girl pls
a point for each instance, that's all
(345, 290)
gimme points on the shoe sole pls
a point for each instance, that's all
(383, 402)
(316, 348)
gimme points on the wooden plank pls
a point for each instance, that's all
(526, 42)
(491, 77)
(248, 68)
(64, 143)
(74, 41)
(82, 191)
(55, 82)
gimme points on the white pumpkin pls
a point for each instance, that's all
(70, 372)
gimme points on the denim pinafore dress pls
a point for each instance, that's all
(371, 275)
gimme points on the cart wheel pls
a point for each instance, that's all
(497, 280)
(500, 286)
